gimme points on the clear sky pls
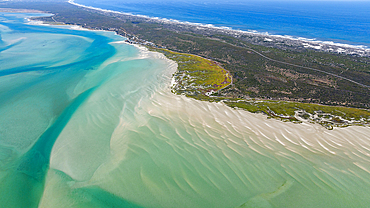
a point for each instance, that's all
(234, 1)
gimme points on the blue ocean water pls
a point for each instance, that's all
(345, 22)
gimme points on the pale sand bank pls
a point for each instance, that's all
(166, 150)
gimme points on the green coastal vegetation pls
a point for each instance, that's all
(283, 80)
(196, 75)
(202, 79)
(327, 116)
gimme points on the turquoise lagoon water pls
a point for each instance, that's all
(88, 121)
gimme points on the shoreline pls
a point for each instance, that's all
(131, 142)
(318, 45)
(31, 11)
(297, 116)
(270, 113)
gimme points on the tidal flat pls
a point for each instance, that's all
(95, 124)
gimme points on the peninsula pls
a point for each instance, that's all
(284, 78)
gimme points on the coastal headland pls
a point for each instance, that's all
(285, 78)
(88, 118)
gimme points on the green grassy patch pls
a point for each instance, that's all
(196, 75)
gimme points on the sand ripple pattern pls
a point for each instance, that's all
(119, 138)
(164, 150)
